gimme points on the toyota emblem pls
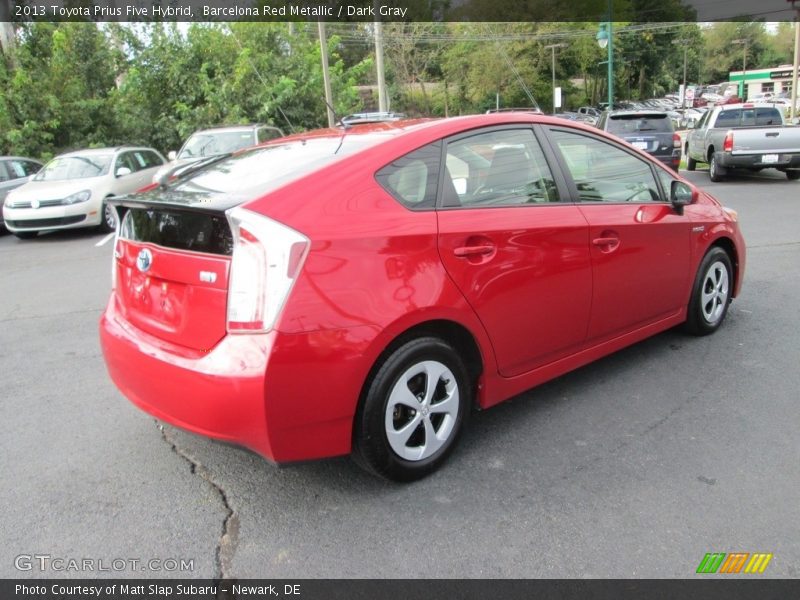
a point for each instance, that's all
(144, 260)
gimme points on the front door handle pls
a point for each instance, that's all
(465, 251)
(606, 243)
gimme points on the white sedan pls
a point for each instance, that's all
(71, 190)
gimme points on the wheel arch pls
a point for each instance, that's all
(729, 247)
(710, 153)
(452, 332)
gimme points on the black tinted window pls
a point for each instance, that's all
(198, 232)
(629, 124)
(768, 116)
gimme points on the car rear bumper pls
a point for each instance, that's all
(248, 390)
(758, 161)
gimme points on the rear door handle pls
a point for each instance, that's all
(465, 251)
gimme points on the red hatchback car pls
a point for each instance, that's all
(361, 290)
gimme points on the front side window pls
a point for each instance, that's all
(22, 168)
(504, 167)
(604, 173)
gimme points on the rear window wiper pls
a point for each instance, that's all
(181, 171)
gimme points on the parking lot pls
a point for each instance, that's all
(634, 466)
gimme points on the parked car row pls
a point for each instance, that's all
(73, 189)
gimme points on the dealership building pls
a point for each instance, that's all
(761, 81)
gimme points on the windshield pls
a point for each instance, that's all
(218, 142)
(632, 124)
(75, 167)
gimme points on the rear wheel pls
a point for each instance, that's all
(413, 411)
(793, 175)
(25, 235)
(711, 294)
(715, 172)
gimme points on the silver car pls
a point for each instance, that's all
(71, 190)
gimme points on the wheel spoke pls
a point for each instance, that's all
(402, 395)
(432, 441)
(449, 405)
(433, 372)
(398, 438)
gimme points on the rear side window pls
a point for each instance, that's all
(633, 124)
(182, 230)
(414, 178)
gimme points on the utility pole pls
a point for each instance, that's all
(685, 44)
(553, 47)
(745, 42)
(382, 103)
(793, 110)
(326, 76)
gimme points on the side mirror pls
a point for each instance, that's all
(681, 194)
(172, 155)
(122, 171)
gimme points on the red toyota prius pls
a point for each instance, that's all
(359, 291)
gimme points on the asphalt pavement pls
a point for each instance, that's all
(634, 466)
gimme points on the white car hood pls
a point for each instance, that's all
(52, 190)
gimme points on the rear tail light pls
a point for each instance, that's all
(727, 145)
(267, 258)
(676, 140)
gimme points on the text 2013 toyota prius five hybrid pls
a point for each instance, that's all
(360, 290)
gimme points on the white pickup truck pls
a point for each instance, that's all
(744, 136)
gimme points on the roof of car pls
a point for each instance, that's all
(110, 150)
(223, 128)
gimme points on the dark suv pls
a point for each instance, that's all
(650, 131)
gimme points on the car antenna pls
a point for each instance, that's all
(335, 116)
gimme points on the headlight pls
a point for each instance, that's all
(733, 214)
(78, 197)
(7, 201)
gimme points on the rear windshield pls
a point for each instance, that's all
(183, 230)
(626, 124)
(749, 117)
(218, 142)
(266, 168)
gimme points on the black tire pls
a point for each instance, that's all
(793, 175)
(380, 410)
(691, 164)
(108, 219)
(25, 235)
(715, 172)
(711, 293)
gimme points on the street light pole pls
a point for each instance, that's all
(605, 39)
(553, 47)
(743, 41)
(793, 111)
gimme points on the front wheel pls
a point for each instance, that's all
(109, 218)
(413, 411)
(691, 164)
(711, 293)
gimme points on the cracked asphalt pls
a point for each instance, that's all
(634, 466)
